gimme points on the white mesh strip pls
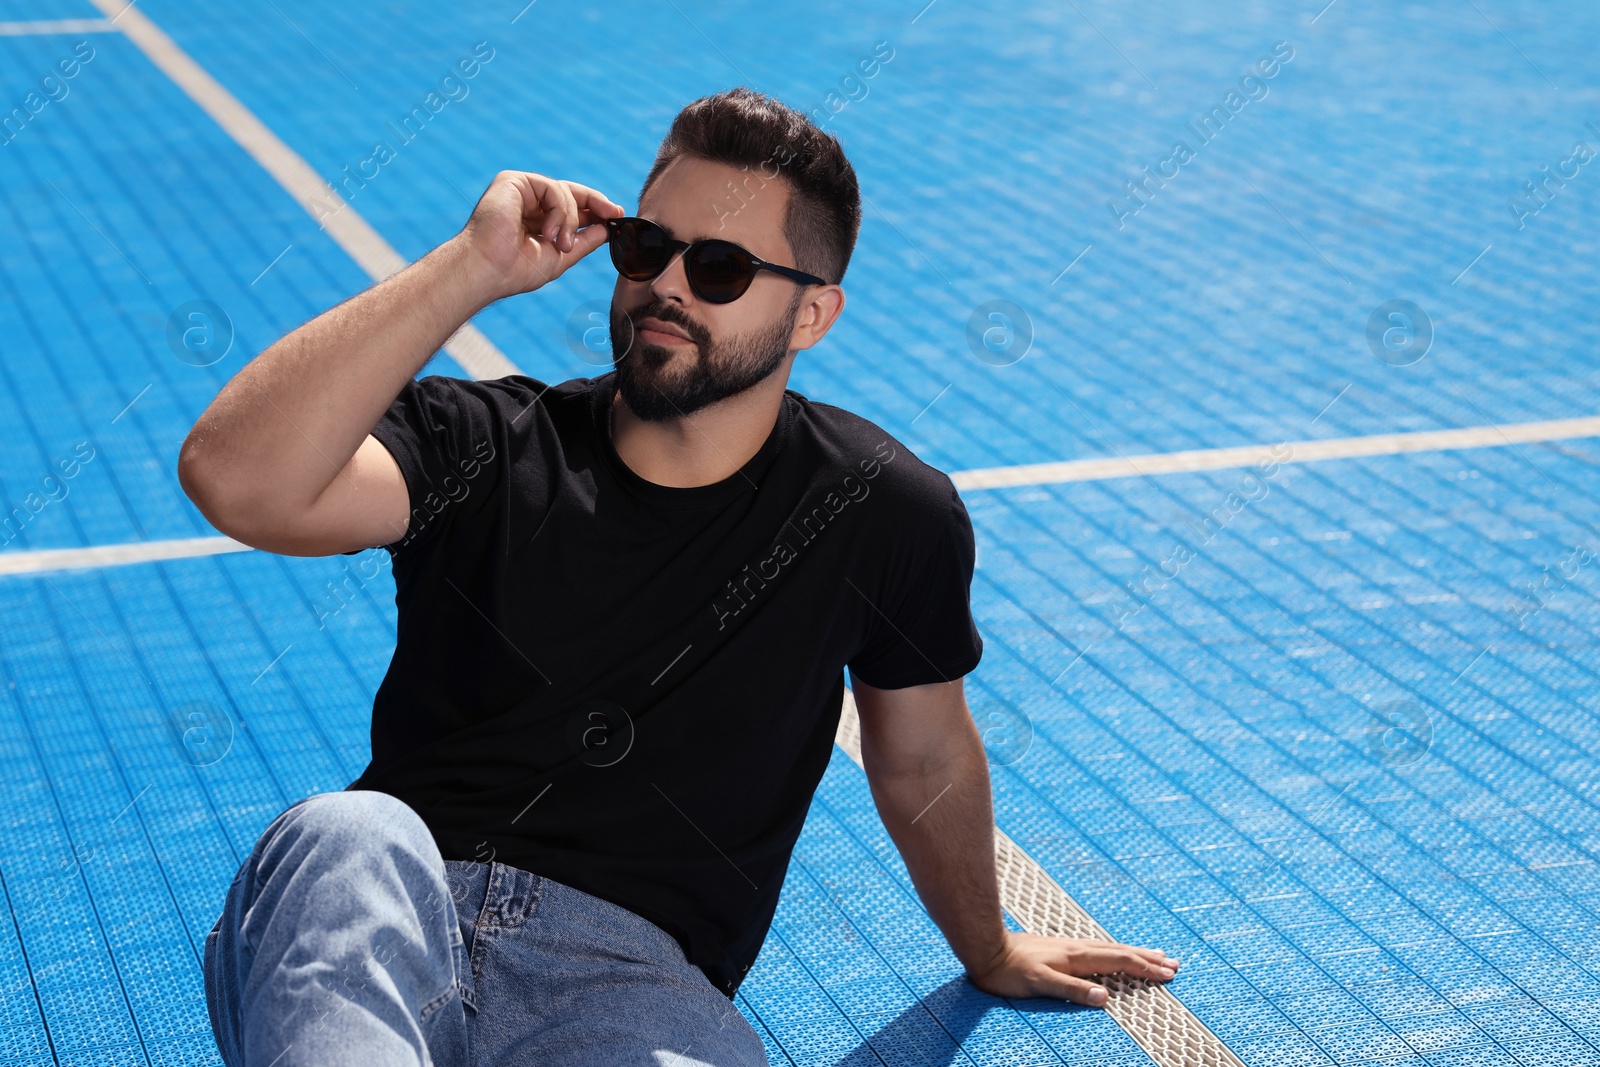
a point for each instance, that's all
(1169, 1032)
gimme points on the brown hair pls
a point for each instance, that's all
(752, 131)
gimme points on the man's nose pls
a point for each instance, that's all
(673, 282)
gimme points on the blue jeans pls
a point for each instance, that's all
(346, 939)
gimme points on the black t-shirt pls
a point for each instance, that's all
(632, 688)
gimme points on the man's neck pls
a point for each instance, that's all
(700, 449)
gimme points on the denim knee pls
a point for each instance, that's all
(338, 929)
(360, 839)
(358, 818)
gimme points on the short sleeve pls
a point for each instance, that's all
(445, 435)
(920, 629)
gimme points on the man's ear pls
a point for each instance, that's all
(818, 312)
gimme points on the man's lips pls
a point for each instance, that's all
(660, 333)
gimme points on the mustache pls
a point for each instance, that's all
(672, 317)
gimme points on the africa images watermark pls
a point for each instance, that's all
(1254, 485)
(336, 598)
(1536, 195)
(1252, 87)
(742, 588)
(1551, 581)
(53, 488)
(853, 88)
(452, 88)
(52, 90)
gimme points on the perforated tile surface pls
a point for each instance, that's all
(1201, 761)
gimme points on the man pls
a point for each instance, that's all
(625, 609)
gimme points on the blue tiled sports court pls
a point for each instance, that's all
(1281, 453)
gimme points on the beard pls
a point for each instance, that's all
(715, 371)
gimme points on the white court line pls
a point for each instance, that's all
(467, 346)
(1212, 459)
(1077, 470)
(1158, 1021)
(481, 358)
(55, 559)
(1151, 1015)
(52, 26)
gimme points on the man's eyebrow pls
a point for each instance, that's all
(674, 236)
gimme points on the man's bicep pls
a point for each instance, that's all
(911, 730)
(365, 506)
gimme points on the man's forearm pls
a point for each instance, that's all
(942, 821)
(281, 430)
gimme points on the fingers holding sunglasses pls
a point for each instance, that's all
(529, 228)
(549, 209)
(592, 208)
(569, 216)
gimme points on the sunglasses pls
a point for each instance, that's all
(719, 272)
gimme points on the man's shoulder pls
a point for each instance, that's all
(851, 444)
(516, 386)
(511, 395)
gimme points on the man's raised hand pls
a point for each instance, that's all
(527, 229)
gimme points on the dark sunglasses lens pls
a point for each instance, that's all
(721, 271)
(638, 249)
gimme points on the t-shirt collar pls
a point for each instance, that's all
(746, 479)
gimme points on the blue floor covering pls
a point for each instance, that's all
(1200, 763)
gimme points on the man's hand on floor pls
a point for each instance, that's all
(1030, 965)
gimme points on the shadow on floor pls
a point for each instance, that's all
(933, 1030)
